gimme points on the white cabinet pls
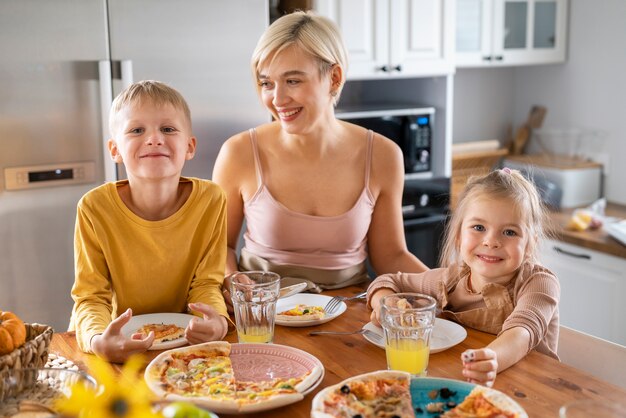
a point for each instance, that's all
(593, 289)
(510, 32)
(394, 38)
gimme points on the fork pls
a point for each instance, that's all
(364, 331)
(334, 303)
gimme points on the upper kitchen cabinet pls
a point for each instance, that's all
(510, 32)
(394, 38)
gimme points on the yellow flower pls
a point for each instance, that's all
(124, 395)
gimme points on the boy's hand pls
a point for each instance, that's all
(480, 366)
(211, 327)
(115, 346)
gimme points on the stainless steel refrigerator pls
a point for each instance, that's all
(62, 62)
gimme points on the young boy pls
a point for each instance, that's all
(155, 242)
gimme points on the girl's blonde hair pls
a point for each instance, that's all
(316, 35)
(153, 91)
(501, 184)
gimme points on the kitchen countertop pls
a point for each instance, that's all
(598, 239)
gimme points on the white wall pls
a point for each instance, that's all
(589, 90)
(483, 104)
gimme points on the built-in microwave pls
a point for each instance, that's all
(409, 126)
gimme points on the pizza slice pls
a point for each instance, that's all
(202, 374)
(162, 332)
(253, 396)
(302, 313)
(381, 394)
(483, 403)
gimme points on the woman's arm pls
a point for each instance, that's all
(387, 246)
(233, 168)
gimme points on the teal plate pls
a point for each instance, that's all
(421, 387)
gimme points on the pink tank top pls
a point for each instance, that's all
(283, 236)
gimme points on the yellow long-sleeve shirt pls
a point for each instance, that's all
(123, 261)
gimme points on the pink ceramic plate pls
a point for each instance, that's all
(258, 362)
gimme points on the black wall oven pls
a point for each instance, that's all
(425, 207)
(409, 126)
(426, 199)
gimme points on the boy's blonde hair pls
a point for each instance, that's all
(316, 35)
(154, 91)
(500, 184)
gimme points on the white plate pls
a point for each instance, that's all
(307, 299)
(446, 334)
(179, 319)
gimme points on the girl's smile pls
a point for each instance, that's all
(493, 240)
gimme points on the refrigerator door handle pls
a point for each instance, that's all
(106, 97)
(126, 67)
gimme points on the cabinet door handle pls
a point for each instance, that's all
(398, 67)
(499, 58)
(384, 68)
(487, 58)
(571, 254)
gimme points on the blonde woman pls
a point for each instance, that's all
(319, 195)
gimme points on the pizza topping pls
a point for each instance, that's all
(374, 395)
(162, 332)
(476, 404)
(302, 312)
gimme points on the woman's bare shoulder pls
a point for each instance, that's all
(386, 155)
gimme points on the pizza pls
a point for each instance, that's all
(162, 332)
(203, 374)
(381, 394)
(483, 403)
(302, 312)
(387, 394)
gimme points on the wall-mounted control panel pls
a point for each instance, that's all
(30, 177)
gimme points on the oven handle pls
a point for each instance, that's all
(426, 220)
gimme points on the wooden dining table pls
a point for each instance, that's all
(540, 384)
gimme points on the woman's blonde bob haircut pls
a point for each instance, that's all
(316, 35)
(506, 184)
(155, 92)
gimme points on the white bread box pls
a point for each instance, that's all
(580, 181)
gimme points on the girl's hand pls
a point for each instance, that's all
(211, 327)
(480, 366)
(114, 346)
(375, 304)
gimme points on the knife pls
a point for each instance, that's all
(291, 290)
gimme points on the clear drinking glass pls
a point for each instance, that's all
(586, 408)
(408, 320)
(254, 295)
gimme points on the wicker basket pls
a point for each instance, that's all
(33, 354)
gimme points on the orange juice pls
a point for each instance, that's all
(409, 355)
(254, 335)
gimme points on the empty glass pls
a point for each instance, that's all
(254, 295)
(408, 320)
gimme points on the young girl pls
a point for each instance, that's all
(490, 279)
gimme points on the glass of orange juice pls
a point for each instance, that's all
(254, 295)
(408, 320)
